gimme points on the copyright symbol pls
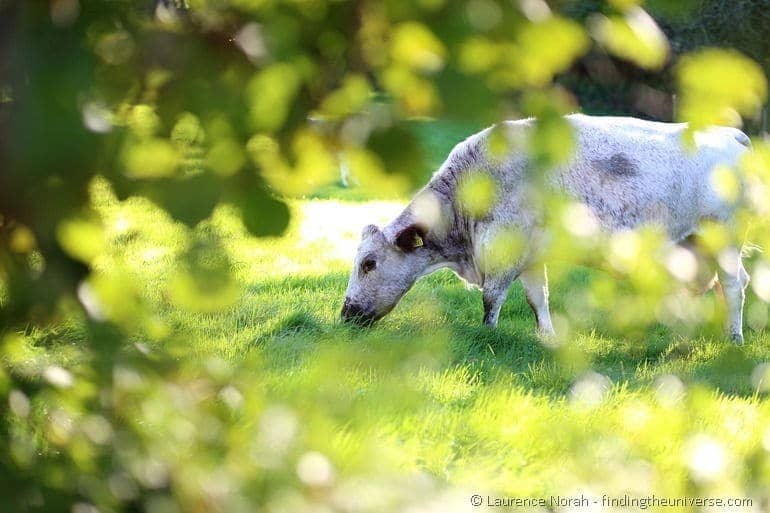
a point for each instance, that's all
(476, 500)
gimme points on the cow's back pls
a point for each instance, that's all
(630, 172)
(633, 172)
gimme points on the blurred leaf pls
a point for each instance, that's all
(115, 297)
(187, 130)
(188, 199)
(634, 37)
(477, 194)
(313, 163)
(270, 93)
(413, 45)
(22, 240)
(545, 49)
(204, 282)
(82, 238)
(725, 183)
(478, 54)
(350, 98)
(115, 48)
(262, 214)
(400, 152)
(143, 121)
(150, 158)
(552, 142)
(717, 86)
(226, 157)
(265, 216)
(501, 247)
(417, 96)
(368, 171)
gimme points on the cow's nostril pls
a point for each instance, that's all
(356, 313)
(349, 310)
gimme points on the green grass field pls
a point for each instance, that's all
(424, 409)
(430, 391)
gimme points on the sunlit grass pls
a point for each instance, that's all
(294, 285)
(431, 390)
(429, 402)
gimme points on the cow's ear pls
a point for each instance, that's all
(410, 238)
(371, 231)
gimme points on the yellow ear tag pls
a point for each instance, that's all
(418, 243)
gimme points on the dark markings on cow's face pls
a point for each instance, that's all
(383, 270)
(618, 165)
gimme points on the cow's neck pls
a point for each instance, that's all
(447, 236)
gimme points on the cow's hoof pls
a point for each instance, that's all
(546, 334)
(737, 339)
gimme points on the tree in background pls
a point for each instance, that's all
(607, 84)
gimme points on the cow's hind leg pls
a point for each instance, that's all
(734, 280)
(535, 283)
(494, 294)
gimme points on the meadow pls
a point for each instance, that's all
(418, 413)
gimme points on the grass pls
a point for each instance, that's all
(472, 408)
(429, 405)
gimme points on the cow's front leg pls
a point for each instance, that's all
(494, 295)
(535, 283)
(734, 282)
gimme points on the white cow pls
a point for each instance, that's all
(627, 171)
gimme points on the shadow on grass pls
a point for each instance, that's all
(309, 309)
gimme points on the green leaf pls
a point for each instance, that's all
(717, 86)
(634, 37)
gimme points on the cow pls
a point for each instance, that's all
(629, 173)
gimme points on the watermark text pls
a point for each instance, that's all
(594, 502)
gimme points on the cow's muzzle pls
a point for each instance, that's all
(357, 314)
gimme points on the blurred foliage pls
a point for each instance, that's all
(140, 141)
(607, 85)
(718, 87)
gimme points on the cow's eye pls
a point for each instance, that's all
(368, 265)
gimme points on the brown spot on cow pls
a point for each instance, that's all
(619, 165)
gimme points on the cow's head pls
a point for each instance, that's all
(385, 267)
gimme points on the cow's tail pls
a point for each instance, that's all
(749, 248)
